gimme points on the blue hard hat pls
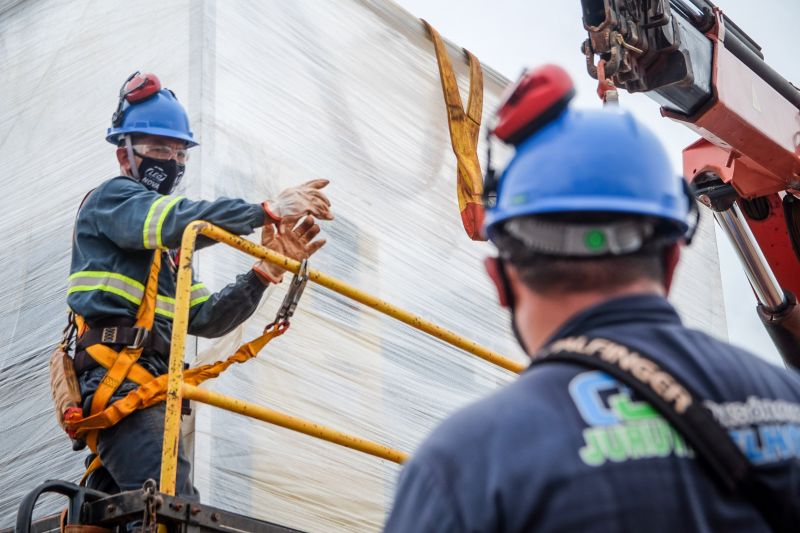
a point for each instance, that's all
(160, 114)
(591, 161)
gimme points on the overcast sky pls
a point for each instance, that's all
(511, 34)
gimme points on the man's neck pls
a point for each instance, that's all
(541, 315)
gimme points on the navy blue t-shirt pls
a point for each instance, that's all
(564, 448)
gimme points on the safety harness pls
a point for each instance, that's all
(122, 365)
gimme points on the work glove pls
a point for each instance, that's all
(294, 202)
(292, 239)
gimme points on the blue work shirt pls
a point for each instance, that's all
(564, 448)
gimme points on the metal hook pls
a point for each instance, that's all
(292, 298)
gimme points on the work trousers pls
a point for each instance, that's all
(131, 449)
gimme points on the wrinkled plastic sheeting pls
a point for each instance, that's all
(278, 93)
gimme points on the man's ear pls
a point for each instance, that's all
(122, 158)
(493, 266)
(672, 254)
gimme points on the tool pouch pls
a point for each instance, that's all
(63, 384)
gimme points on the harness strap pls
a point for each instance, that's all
(106, 357)
(94, 465)
(684, 410)
(126, 358)
(118, 369)
(154, 390)
(122, 365)
(464, 131)
(129, 336)
(114, 377)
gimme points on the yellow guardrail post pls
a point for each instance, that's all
(294, 423)
(180, 327)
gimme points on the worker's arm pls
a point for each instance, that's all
(136, 218)
(216, 314)
(424, 502)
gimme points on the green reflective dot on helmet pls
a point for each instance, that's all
(519, 199)
(594, 239)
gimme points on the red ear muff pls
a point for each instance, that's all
(141, 87)
(137, 87)
(538, 97)
(495, 268)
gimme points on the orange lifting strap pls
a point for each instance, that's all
(464, 131)
(122, 365)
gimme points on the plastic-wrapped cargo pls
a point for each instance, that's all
(278, 93)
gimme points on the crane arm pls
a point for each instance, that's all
(708, 74)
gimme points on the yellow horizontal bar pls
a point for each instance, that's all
(336, 285)
(290, 422)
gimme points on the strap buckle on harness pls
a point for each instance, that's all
(142, 334)
(292, 297)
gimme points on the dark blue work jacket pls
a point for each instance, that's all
(564, 448)
(117, 231)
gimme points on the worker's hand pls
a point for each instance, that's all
(305, 199)
(290, 239)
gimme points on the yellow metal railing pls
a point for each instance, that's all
(176, 389)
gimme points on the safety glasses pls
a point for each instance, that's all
(164, 153)
(136, 88)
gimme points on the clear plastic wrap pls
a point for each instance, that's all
(278, 93)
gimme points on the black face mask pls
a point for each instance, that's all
(160, 175)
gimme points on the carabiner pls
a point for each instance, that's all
(292, 298)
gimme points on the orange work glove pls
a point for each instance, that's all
(292, 239)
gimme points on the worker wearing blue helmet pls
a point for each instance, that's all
(588, 220)
(126, 234)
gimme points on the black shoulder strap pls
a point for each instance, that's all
(685, 411)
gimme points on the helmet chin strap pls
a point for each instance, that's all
(131, 159)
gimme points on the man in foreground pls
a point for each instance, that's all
(588, 222)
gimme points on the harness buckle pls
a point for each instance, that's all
(141, 336)
(109, 335)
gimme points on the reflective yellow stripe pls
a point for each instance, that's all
(91, 280)
(199, 300)
(163, 216)
(106, 288)
(102, 274)
(199, 295)
(148, 223)
(130, 289)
